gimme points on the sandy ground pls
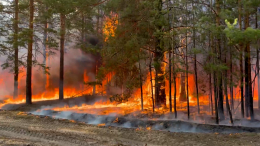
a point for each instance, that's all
(18, 128)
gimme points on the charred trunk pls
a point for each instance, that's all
(216, 98)
(29, 57)
(187, 80)
(151, 80)
(257, 62)
(241, 63)
(231, 81)
(248, 80)
(210, 94)
(141, 84)
(196, 80)
(175, 88)
(170, 80)
(45, 54)
(170, 61)
(15, 45)
(220, 98)
(258, 77)
(220, 82)
(226, 93)
(215, 88)
(62, 41)
(195, 63)
(160, 95)
(242, 83)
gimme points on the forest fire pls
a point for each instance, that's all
(150, 100)
(122, 72)
(132, 105)
(45, 86)
(53, 94)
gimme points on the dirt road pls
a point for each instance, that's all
(18, 128)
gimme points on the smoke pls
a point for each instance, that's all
(164, 125)
(165, 122)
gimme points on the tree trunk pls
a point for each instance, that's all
(170, 80)
(258, 77)
(170, 62)
(174, 79)
(257, 63)
(218, 45)
(175, 87)
(241, 64)
(246, 74)
(248, 80)
(29, 57)
(231, 81)
(215, 88)
(242, 83)
(227, 103)
(187, 79)
(220, 97)
(210, 74)
(210, 95)
(196, 79)
(187, 64)
(216, 97)
(226, 91)
(15, 45)
(195, 62)
(141, 85)
(62, 41)
(45, 54)
(160, 95)
(151, 79)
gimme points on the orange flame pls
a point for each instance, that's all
(110, 26)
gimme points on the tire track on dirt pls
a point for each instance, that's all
(43, 131)
(55, 131)
(52, 137)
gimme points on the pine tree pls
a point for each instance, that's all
(29, 56)
(16, 67)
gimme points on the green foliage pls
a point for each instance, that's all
(236, 36)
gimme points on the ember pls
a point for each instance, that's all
(101, 125)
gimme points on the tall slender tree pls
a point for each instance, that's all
(241, 61)
(15, 45)
(29, 56)
(62, 43)
(160, 95)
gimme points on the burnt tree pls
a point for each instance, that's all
(29, 57)
(62, 41)
(15, 45)
(241, 62)
(160, 95)
(248, 80)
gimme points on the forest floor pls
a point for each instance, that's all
(19, 128)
